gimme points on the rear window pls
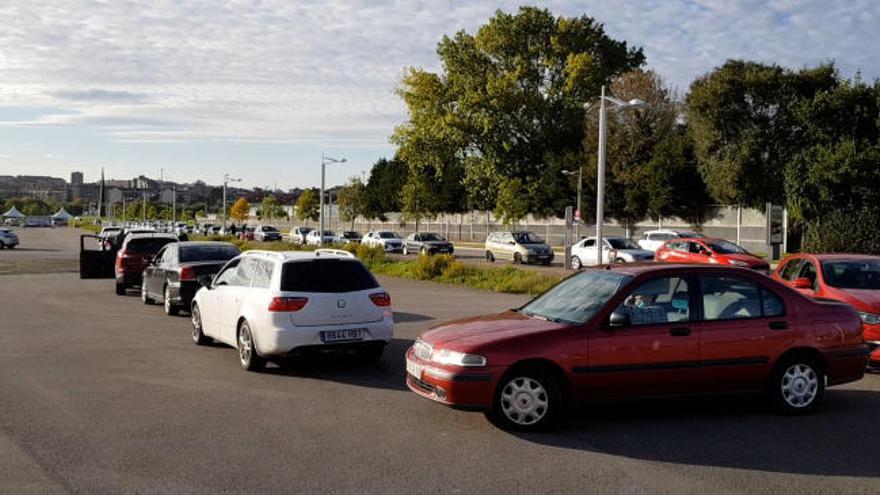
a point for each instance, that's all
(208, 253)
(327, 275)
(146, 246)
(389, 235)
(267, 228)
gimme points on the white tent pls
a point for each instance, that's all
(62, 215)
(13, 213)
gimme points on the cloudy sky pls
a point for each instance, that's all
(260, 88)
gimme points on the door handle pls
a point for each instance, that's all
(679, 331)
(778, 325)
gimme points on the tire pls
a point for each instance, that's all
(11, 246)
(170, 308)
(490, 257)
(247, 354)
(2, 246)
(517, 259)
(527, 399)
(370, 354)
(405, 250)
(619, 261)
(145, 298)
(424, 252)
(120, 288)
(197, 335)
(797, 386)
(576, 263)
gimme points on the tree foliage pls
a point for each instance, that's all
(240, 210)
(417, 199)
(512, 203)
(307, 206)
(271, 209)
(352, 200)
(387, 178)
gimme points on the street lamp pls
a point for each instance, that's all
(600, 186)
(325, 160)
(580, 175)
(226, 178)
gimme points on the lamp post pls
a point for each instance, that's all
(226, 179)
(580, 174)
(600, 186)
(325, 160)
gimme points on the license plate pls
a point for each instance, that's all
(342, 335)
(414, 369)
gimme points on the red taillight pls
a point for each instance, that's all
(381, 299)
(288, 304)
(187, 274)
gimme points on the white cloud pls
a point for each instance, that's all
(52, 156)
(325, 71)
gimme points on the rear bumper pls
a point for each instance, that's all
(540, 258)
(847, 365)
(182, 293)
(281, 341)
(460, 389)
(130, 279)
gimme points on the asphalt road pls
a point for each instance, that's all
(101, 394)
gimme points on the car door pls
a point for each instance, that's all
(152, 272)
(743, 324)
(786, 273)
(588, 252)
(216, 298)
(658, 351)
(234, 294)
(97, 262)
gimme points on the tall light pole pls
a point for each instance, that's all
(600, 186)
(226, 179)
(324, 161)
(580, 174)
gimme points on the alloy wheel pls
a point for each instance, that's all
(524, 401)
(800, 385)
(245, 346)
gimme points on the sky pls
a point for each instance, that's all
(259, 89)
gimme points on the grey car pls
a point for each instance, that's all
(427, 243)
(518, 246)
(8, 238)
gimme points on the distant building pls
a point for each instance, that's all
(76, 178)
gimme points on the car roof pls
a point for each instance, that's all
(285, 256)
(205, 243)
(640, 268)
(150, 235)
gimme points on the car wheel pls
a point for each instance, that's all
(405, 251)
(197, 335)
(144, 296)
(619, 260)
(424, 252)
(120, 288)
(370, 354)
(11, 246)
(490, 257)
(575, 263)
(798, 386)
(526, 400)
(247, 353)
(517, 259)
(170, 308)
(2, 245)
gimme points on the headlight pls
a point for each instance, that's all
(453, 358)
(869, 318)
(738, 263)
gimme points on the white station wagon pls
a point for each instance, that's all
(270, 305)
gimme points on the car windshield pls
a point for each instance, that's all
(622, 243)
(578, 298)
(388, 235)
(852, 274)
(328, 233)
(269, 228)
(147, 246)
(432, 237)
(724, 247)
(689, 234)
(208, 252)
(326, 276)
(351, 235)
(527, 238)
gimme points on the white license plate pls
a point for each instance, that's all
(414, 369)
(349, 335)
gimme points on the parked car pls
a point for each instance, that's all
(8, 238)
(246, 234)
(298, 234)
(134, 254)
(315, 239)
(653, 239)
(172, 275)
(347, 237)
(614, 249)
(269, 305)
(427, 243)
(519, 247)
(641, 330)
(109, 236)
(267, 233)
(386, 239)
(706, 250)
(853, 279)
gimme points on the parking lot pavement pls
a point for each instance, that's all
(99, 393)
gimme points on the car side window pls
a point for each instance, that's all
(169, 256)
(808, 271)
(678, 246)
(790, 268)
(590, 243)
(771, 304)
(228, 275)
(730, 298)
(246, 271)
(159, 256)
(262, 274)
(658, 301)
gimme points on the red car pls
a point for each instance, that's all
(137, 250)
(706, 250)
(850, 278)
(641, 330)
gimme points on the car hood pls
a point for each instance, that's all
(861, 299)
(470, 332)
(435, 243)
(751, 259)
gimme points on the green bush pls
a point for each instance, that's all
(844, 232)
(431, 267)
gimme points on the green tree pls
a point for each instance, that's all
(307, 206)
(417, 199)
(352, 200)
(508, 100)
(387, 178)
(512, 203)
(270, 208)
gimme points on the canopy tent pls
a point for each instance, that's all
(13, 213)
(62, 215)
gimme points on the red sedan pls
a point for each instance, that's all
(639, 330)
(713, 251)
(850, 278)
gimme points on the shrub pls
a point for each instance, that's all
(431, 267)
(844, 232)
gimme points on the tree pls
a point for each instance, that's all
(352, 200)
(271, 209)
(240, 210)
(512, 204)
(673, 185)
(508, 101)
(387, 178)
(417, 199)
(307, 206)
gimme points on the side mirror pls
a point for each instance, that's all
(512, 243)
(618, 320)
(205, 281)
(802, 283)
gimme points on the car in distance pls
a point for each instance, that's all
(519, 247)
(713, 251)
(427, 243)
(134, 254)
(653, 239)
(265, 233)
(298, 234)
(853, 279)
(172, 275)
(386, 239)
(641, 330)
(8, 238)
(271, 305)
(314, 238)
(614, 249)
(347, 237)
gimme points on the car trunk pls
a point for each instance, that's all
(336, 309)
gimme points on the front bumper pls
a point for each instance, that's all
(282, 338)
(393, 248)
(462, 388)
(541, 258)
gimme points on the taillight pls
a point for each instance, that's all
(381, 299)
(186, 274)
(288, 304)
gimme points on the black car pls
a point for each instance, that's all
(427, 243)
(347, 237)
(172, 276)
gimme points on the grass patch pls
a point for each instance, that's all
(38, 266)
